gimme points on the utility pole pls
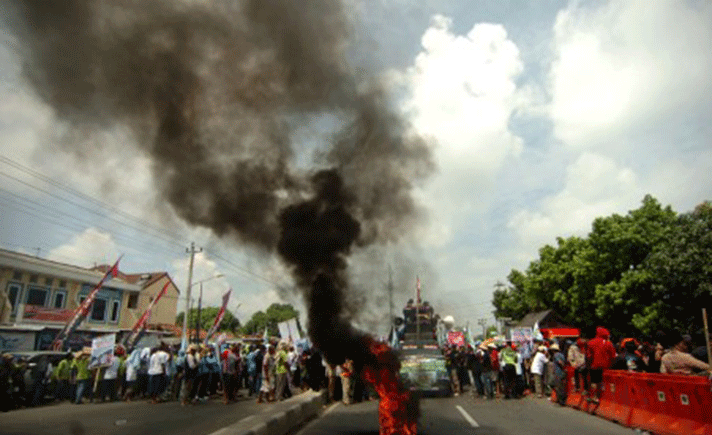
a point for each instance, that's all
(197, 323)
(192, 252)
(483, 323)
(390, 296)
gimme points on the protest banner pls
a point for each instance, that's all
(102, 351)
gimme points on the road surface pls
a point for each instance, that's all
(465, 415)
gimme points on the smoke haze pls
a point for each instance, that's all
(214, 93)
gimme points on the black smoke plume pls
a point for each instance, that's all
(215, 92)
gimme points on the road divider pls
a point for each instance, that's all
(282, 418)
(660, 403)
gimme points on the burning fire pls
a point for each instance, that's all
(398, 410)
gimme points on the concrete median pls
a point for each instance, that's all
(279, 418)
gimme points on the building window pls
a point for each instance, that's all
(14, 290)
(48, 281)
(133, 301)
(114, 311)
(34, 278)
(98, 311)
(17, 275)
(60, 298)
(37, 296)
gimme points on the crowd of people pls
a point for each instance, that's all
(512, 371)
(264, 372)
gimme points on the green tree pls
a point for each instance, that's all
(680, 269)
(207, 318)
(273, 315)
(610, 277)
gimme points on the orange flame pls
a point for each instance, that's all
(397, 411)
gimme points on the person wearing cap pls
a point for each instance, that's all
(600, 353)
(537, 369)
(83, 377)
(628, 358)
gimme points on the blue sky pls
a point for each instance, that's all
(543, 116)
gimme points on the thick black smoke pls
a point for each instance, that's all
(214, 92)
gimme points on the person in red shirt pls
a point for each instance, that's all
(600, 354)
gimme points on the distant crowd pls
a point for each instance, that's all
(512, 371)
(264, 372)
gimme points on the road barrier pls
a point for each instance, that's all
(659, 403)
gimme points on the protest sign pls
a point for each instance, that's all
(102, 351)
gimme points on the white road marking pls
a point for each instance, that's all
(469, 419)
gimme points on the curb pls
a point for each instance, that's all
(280, 422)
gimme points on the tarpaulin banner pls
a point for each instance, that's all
(102, 351)
(456, 338)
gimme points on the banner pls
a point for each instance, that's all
(456, 338)
(283, 330)
(294, 334)
(524, 338)
(140, 325)
(219, 317)
(102, 351)
(83, 309)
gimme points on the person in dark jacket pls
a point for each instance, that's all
(628, 359)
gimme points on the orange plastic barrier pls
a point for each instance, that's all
(662, 404)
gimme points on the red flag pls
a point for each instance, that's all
(83, 309)
(219, 317)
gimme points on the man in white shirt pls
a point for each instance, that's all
(108, 384)
(157, 373)
(537, 370)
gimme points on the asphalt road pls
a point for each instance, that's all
(134, 418)
(464, 415)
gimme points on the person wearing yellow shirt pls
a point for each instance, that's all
(83, 378)
(61, 374)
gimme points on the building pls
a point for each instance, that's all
(38, 297)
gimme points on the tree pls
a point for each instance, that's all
(207, 318)
(680, 269)
(274, 314)
(613, 276)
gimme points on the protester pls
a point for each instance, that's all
(80, 366)
(628, 359)
(487, 373)
(510, 358)
(474, 368)
(600, 353)
(229, 372)
(559, 362)
(577, 359)
(268, 376)
(678, 360)
(190, 374)
(108, 385)
(347, 384)
(157, 368)
(62, 374)
(537, 369)
(281, 370)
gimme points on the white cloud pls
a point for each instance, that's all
(621, 68)
(87, 249)
(595, 186)
(461, 91)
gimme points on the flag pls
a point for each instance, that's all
(140, 325)
(83, 309)
(417, 291)
(219, 317)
